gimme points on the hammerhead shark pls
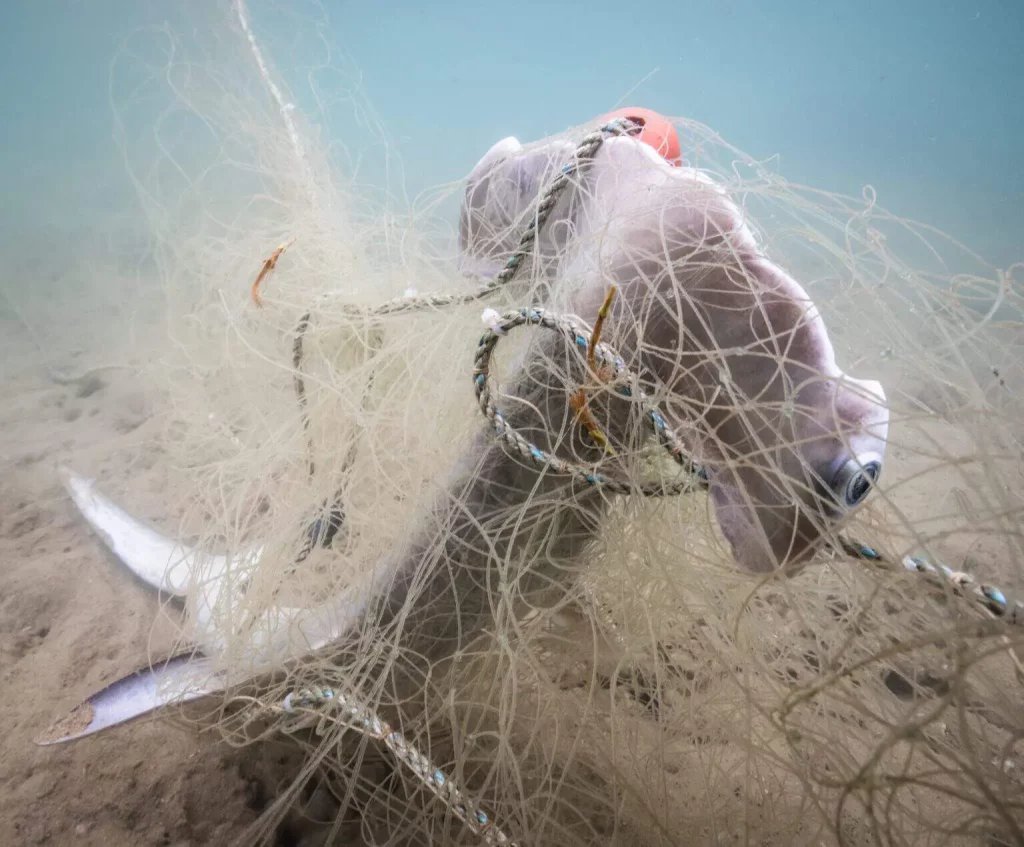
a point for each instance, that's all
(727, 340)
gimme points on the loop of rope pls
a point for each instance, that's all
(579, 335)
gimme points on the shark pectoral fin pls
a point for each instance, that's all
(159, 562)
(154, 559)
(180, 679)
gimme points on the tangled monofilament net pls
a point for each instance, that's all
(636, 687)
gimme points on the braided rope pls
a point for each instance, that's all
(990, 598)
(300, 386)
(585, 152)
(584, 156)
(579, 335)
(351, 714)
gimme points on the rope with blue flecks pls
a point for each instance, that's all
(585, 152)
(987, 596)
(364, 720)
(579, 335)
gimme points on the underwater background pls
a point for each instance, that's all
(921, 99)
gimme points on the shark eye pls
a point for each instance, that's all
(855, 480)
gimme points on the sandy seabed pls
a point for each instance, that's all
(72, 621)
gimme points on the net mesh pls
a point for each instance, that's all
(581, 663)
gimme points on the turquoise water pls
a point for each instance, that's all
(920, 98)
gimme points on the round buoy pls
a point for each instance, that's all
(656, 131)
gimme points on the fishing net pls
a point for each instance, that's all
(432, 458)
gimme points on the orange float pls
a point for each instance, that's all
(656, 131)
